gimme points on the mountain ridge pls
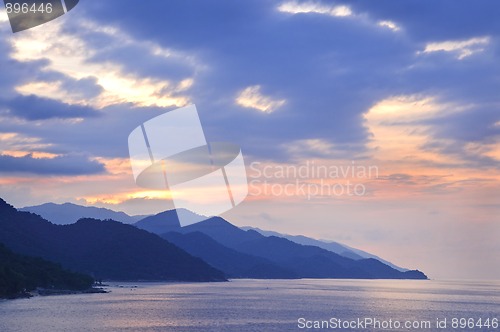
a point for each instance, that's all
(338, 248)
(105, 249)
(241, 253)
(69, 213)
(233, 263)
(167, 221)
(304, 260)
(161, 224)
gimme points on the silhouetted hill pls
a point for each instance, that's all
(19, 274)
(233, 263)
(306, 261)
(68, 213)
(104, 249)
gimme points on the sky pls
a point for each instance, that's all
(316, 93)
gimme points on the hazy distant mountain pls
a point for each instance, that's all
(167, 221)
(300, 239)
(335, 247)
(160, 223)
(69, 213)
(250, 254)
(229, 238)
(365, 254)
(233, 263)
(104, 249)
(304, 260)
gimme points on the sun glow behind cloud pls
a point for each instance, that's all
(402, 129)
(36, 154)
(399, 130)
(19, 142)
(69, 55)
(3, 16)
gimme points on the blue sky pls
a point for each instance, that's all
(408, 86)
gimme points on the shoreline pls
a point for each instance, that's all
(55, 292)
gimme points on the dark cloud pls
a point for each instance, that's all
(428, 20)
(468, 158)
(38, 108)
(15, 72)
(292, 58)
(69, 165)
(330, 70)
(105, 135)
(475, 125)
(138, 59)
(85, 88)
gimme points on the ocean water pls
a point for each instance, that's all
(264, 305)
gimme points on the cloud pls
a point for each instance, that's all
(15, 144)
(37, 108)
(54, 85)
(412, 135)
(67, 165)
(251, 97)
(3, 16)
(464, 20)
(296, 7)
(402, 127)
(462, 48)
(323, 149)
(320, 75)
(389, 24)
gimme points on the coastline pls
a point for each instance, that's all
(54, 292)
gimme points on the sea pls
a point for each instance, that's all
(265, 305)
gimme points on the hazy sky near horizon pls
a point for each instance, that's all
(410, 88)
